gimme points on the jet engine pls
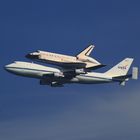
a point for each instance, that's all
(80, 71)
(58, 74)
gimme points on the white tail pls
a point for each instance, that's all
(120, 69)
(86, 52)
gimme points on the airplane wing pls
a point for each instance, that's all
(78, 65)
(75, 65)
(96, 67)
(71, 65)
(52, 84)
(57, 79)
(53, 79)
(60, 78)
(122, 78)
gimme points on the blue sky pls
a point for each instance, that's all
(29, 111)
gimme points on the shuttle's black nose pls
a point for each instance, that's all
(31, 56)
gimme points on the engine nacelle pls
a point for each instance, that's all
(80, 71)
(58, 74)
(56, 84)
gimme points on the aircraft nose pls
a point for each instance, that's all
(31, 56)
(6, 67)
(10, 67)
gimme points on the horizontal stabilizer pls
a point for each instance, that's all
(122, 78)
(96, 67)
(135, 73)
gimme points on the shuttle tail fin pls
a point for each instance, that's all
(121, 68)
(86, 52)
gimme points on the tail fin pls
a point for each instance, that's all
(86, 52)
(120, 69)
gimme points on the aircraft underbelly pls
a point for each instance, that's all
(33, 73)
(92, 80)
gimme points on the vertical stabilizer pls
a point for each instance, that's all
(120, 69)
(86, 52)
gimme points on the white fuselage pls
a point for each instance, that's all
(38, 71)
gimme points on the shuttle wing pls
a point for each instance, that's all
(71, 65)
(78, 65)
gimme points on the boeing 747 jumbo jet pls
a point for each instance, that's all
(82, 60)
(58, 77)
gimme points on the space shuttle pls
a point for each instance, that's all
(82, 60)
